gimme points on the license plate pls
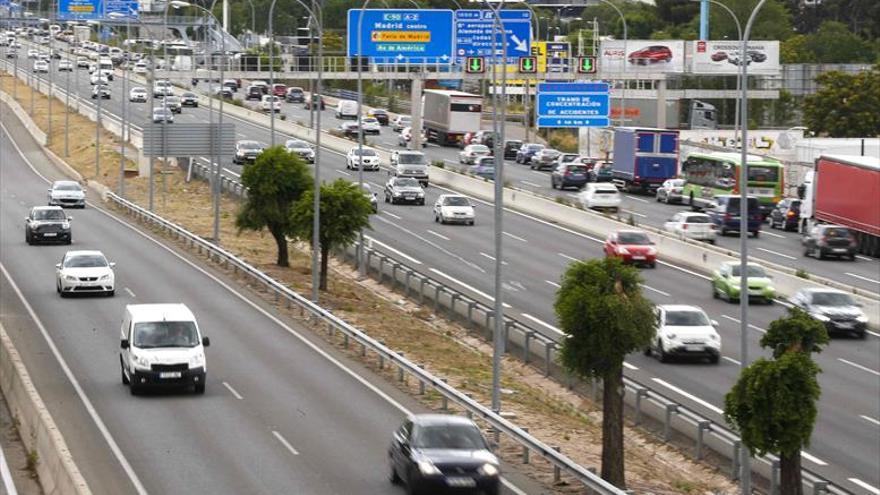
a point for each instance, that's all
(694, 348)
(169, 374)
(638, 257)
(461, 482)
(50, 234)
(845, 324)
(839, 250)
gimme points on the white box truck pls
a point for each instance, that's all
(448, 115)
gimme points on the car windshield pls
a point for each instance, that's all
(832, 299)
(153, 334)
(454, 436)
(85, 261)
(411, 158)
(836, 232)
(249, 145)
(634, 238)
(297, 144)
(479, 148)
(534, 147)
(49, 215)
(697, 219)
(676, 183)
(369, 120)
(686, 319)
(68, 186)
(763, 174)
(406, 182)
(578, 169)
(610, 191)
(513, 145)
(753, 271)
(365, 152)
(456, 201)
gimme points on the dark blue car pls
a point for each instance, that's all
(725, 214)
(527, 151)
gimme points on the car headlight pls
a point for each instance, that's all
(197, 361)
(105, 277)
(622, 250)
(862, 319)
(65, 226)
(770, 289)
(652, 252)
(140, 361)
(488, 469)
(70, 278)
(714, 336)
(427, 468)
(421, 194)
(821, 317)
(396, 193)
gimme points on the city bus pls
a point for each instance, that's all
(711, 174)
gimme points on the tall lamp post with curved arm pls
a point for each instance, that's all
(625, 39)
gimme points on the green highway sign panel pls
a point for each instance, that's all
(475, 65)
(587, 65)
(528, 65)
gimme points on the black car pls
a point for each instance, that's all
(246, 151)
(830, 240)
(254, 93)
(786, 215)
(47, 223)
(189, 100)
(601, 172)
(569, 174)
(436, 453)
(834, 308)
(295, 95)
(380, 115)
(511, 146)
(316, 99)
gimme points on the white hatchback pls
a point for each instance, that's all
(685, 331)
(138, 94)
(454, 208)
(692, 225)
(601, 195)
(85, 272)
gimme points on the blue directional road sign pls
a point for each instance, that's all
(80, 9)
(127, 8)
(474, 33)
(572, 105)
(394, 36)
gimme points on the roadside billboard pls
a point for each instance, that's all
(641, 56)
(723, 57)
(80, 9)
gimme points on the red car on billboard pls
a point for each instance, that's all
(719, 56)
(651, 55)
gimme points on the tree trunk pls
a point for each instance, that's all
(325, 253)
(612, 428)
(281, 242)
(790, 474)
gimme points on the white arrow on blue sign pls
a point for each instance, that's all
(474, 33)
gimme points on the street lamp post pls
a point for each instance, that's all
(271, 75)
(362, 269)
(126, 120)
(623, 62)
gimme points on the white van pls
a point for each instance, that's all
(346, 109)
(161, 346)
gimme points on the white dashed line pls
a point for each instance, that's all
(736, 320)
(866, 279)
(438, 235)
(491, 257)
(864, 485)
(864, 258)
(813, 459)
(629, 366)
(859, 366)
(571, 258)
(689, 396)
(285, 443)
(468, 287)
(386, 247)
(554, 284)
(630, 212)
(233, 391)
(129, 292)
(734, 361)
(542, 323)
(530, 183)
(343, 172)
(658, 291)
(392, 215)
(869, 419)
(772, 234)
(777, 253)
(508, 234)
(640, 200)
(230, 172)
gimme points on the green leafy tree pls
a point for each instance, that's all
(773, 404)
(796, 50)
(601, 309)
(274, 182)
(834, 43)
(345, 210)
(846, 105)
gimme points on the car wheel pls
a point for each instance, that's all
(472, 222)
(110, 293)
(714, 359)
(756, 234)
(69, 241)
(661, 353)
(862, 335)
(27, 238)
(819, 253)
(134, 388)
(647, 351)
(852, 257)
(122, 372)
(200, 388)
(436, 218)
(393, 477)
(722, 231)
(491, 490)
(552, 184)
(387, 200)
(714, 291)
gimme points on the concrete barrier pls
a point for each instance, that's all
(55, 467)
(25, 119)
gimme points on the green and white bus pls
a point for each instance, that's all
(710, 174)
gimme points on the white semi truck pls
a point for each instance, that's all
(448, 115)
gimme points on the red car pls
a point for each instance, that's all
(719, 56)
(631, 246)
(279, 90)
(651, 55)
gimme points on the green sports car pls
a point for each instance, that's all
(726, 280)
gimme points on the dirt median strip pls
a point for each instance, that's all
(549, 411)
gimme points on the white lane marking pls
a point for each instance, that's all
(813, 459)
(687, 395)
(629, 366)
(285, 443)
(391, 249)
(640, 200)
(872, 489)
(658, 291)
(530, 183)
(233, 391)
(343, 172)
(437, 235)
(230, 172)
(863, 278)
(859, 366)
(241, 135)
(468, 287)
(869, 419)
(542, 323)
(571, 258)
(554, 284)
(508, 234)
(734, 361)
(433, 244)
(737, 320)
(87, 403)
(392, 215)
(573, 195)
(776, 253)
(6, 475)
(630, 212)
(772, 234)
(491, 257)
(538, 172)
(129, 291)
(864, 258)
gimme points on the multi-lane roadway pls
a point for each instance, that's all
(846, 442)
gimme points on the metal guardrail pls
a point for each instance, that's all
(405, 367)
(531, 346)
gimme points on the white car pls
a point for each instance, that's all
(270, 103)
(400, 122)
(371, 125)
(472, 152)
(67, 193)
(671, 191)
(140, 68)
(369, 159)
(33, 54)
(98, 78)
(85, 271)
(41, 66)
(685, 331)
(162, 88)
(138, 95)
(454, 208)
(692, 225)
(65, 66)
(406, 135)
(82, 63)
(601, 195)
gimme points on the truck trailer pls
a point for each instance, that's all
(644, 158)
(844, 190)
(449, 115)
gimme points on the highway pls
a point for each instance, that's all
(846, 441)
(283, 411)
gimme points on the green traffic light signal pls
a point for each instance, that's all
(475, 65)
(528, 65)
(587, 65)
